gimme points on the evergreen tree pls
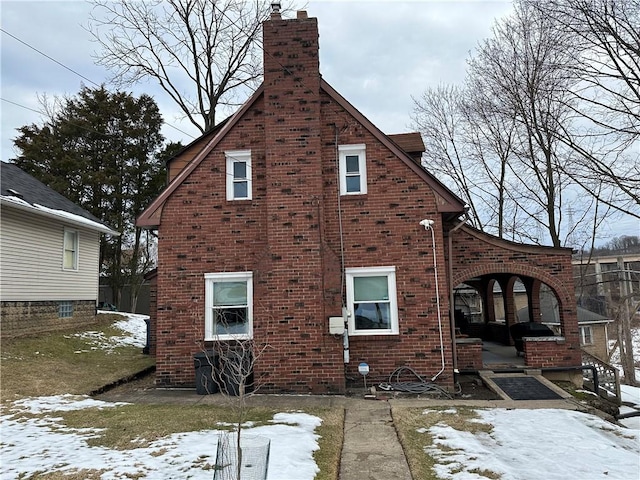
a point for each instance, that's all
(103, 151)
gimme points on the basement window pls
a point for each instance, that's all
(371, 300)
(238, 174)
(65, 309)
(353, 169)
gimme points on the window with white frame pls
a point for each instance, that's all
(229, 306)
(586, 336)
(238, 174)
(70, 250)
(353, 169)
(371, 300)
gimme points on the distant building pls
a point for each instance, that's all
(603, 281)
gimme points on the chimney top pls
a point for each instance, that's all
(302, 14)
(275, 10)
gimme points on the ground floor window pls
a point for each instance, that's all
(371, 300)
(586, 336)
(228, 305)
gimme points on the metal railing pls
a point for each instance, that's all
(608, 380)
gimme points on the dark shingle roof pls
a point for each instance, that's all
(14, 182)
(584, 316)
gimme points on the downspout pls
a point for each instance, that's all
(428, 225)
(452, 306)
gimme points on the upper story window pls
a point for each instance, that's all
(238, 174)
(586, 336)
(353, 169)
(229, 306)
(70, 250)
(371, 300)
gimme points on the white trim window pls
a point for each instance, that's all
(371, 300)
(70, 250)
(228, 306)
(353, 169)
(586, 335)
(238, 174)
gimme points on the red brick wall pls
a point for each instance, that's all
(288, 236)
(549, 352)
(475, 254)
(153, 311)
(382, 228)
(469, 353)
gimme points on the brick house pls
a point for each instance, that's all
(297, 209)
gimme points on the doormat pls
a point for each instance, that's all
(525, 388)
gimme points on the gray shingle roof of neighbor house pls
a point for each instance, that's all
(585, 316)
(20, 190)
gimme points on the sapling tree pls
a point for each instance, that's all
(232, 355)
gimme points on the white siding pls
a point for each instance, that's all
(31, 251)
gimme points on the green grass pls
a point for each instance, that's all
(66, 362)
(132, 426)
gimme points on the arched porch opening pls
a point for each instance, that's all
(487, 306)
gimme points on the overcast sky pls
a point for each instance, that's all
(376, 54)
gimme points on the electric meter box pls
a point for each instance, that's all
(336, 325)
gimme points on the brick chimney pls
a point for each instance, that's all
(291, 49)
(292, 120)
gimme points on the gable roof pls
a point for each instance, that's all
(447, 201)
(20, 190)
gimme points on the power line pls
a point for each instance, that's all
(72, 71)
(47, 56)
(21, 106)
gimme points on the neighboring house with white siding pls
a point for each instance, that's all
(49, 257)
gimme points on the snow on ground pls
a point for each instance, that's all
(135, 327)
(523, 444)
(615, 354)
(631, 403)
(544, 444)
(44, 444)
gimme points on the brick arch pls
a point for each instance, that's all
(513, 269)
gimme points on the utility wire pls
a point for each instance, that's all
(72, 71)
(49, 57)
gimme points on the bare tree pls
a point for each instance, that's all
(438, 116)
(231, 360)
(523, 66)
(202, 53)
(606, 38)
(469, 147)
(492, 136)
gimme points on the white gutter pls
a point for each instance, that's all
(60, 215)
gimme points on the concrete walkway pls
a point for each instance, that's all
(371, 449)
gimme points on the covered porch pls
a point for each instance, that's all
(491, 279)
